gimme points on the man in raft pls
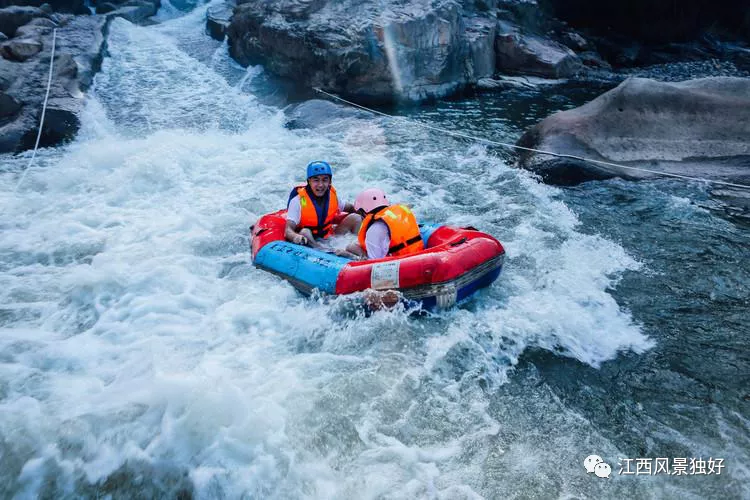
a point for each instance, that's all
(313, 207)
(387, 230)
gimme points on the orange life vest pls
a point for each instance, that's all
(309, 213)
(402, 225)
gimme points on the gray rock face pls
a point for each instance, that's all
(697, 127)
(24, 68)
(532, 54)
(79, 35)
(217, 19)
(136, 11)
(20, 49)
(67, 6)
(12, 18)
(394, 49)
(480, 35)
(406, 50)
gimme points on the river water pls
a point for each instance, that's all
(141, 354)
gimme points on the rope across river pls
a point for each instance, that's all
(522, 148)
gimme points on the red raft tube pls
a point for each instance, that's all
(455, 263)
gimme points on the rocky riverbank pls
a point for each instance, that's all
(26, 40)
(383, 52)
(411, 51)
(394, 51)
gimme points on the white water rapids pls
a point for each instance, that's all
(141, 352)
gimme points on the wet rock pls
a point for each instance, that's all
(575, 41)
(12, 18)
(78, 56)
(397, 50)
(136, 11)
(20, 49)
(217, 19)
(697, 127)
(7, 74)
(34, 30)
(44, 22)
(9, 107)
(528, 15)
(594, 60)
(480, 35)
(105, 8)
(61, 123)
(504, 83)
(531, 54)
(403, 50)
(317, 112)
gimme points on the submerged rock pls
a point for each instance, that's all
(697, 127)
(317, 112)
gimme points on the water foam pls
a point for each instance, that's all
(137, 338)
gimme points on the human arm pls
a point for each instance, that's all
(291, 235)
(293, 216)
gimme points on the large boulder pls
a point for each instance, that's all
(697, 127)
(21, 49)
(396, 49)
(407, 50)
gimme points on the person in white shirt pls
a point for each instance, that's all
(313, 209)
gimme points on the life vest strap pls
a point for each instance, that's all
(401, 246)
(320, 231)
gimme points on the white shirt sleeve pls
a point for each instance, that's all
(377, 240)
(294, 211)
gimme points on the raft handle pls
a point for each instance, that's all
(459, 242)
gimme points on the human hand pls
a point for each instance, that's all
(300, 240)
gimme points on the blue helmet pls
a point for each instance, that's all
(318, 168)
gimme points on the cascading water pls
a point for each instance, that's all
(144, 356)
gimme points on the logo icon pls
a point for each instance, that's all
(595, 464)
(602, 470)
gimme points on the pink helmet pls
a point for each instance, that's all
(370, 199)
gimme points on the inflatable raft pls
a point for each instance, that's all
(455, 263)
